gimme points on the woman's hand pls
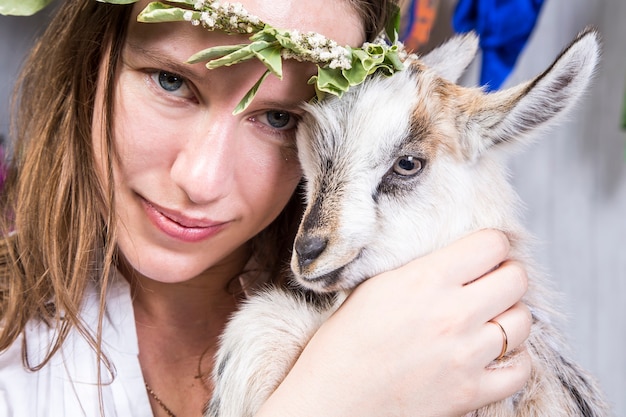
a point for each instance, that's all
(417, 340)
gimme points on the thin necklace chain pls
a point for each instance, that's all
(158, 401)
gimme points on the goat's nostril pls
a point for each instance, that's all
(308, 249)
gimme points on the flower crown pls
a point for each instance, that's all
(338, 67)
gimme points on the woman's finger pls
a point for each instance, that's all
(473, 256)
(506, 332)
(496, 291)
(502, 382)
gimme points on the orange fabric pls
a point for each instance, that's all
(418, 18)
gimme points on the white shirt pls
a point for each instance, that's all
(67, 385)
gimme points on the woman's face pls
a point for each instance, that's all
(193, 182)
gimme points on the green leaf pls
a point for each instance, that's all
(157, 12)
(331, 80)
(241, 54)
(268, 33)
(286, 42)
(247, 99)
(393, 25)
(393, 59)
(319, 95)
(271, 35)
(272, 59)
(356, 74)
(366, 60)
(385, 70)
(214, 52)
(376, 52)
(22, 7)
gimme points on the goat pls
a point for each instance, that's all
(416, 154)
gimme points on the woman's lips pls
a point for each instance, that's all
(179, 226)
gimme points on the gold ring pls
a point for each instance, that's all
(505, 339)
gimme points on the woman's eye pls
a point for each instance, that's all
(172, 83)
(408, 165)
(278, 119)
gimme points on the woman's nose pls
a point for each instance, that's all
(204, 166)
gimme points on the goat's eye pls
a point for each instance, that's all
(408, 165)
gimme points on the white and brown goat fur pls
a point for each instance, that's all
(396, 168)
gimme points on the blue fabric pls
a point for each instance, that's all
(409, 17)
(504, 27)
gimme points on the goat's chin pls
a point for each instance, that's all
(329, 282)
(344, 278)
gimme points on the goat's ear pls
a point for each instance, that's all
(451, 59)
(508, 116)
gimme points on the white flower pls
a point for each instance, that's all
(188, 15)
(325, 56)
(340, 51)
(295, 36)
(239, 10)
(341, 62)
(209, 21)
(315, 39)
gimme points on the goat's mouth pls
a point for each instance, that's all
(328, 282)
(336, 280)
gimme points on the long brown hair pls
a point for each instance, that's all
(54, 233)
(57, 224)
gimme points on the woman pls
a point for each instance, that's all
(139, 210)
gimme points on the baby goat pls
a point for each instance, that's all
(412, 154)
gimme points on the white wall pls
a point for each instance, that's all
(16, 35)
(574, 184)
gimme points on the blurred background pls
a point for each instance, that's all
(573, 180)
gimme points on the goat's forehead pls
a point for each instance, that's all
(388, 113)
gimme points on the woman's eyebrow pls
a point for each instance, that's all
(161, 60)
(290, 105)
